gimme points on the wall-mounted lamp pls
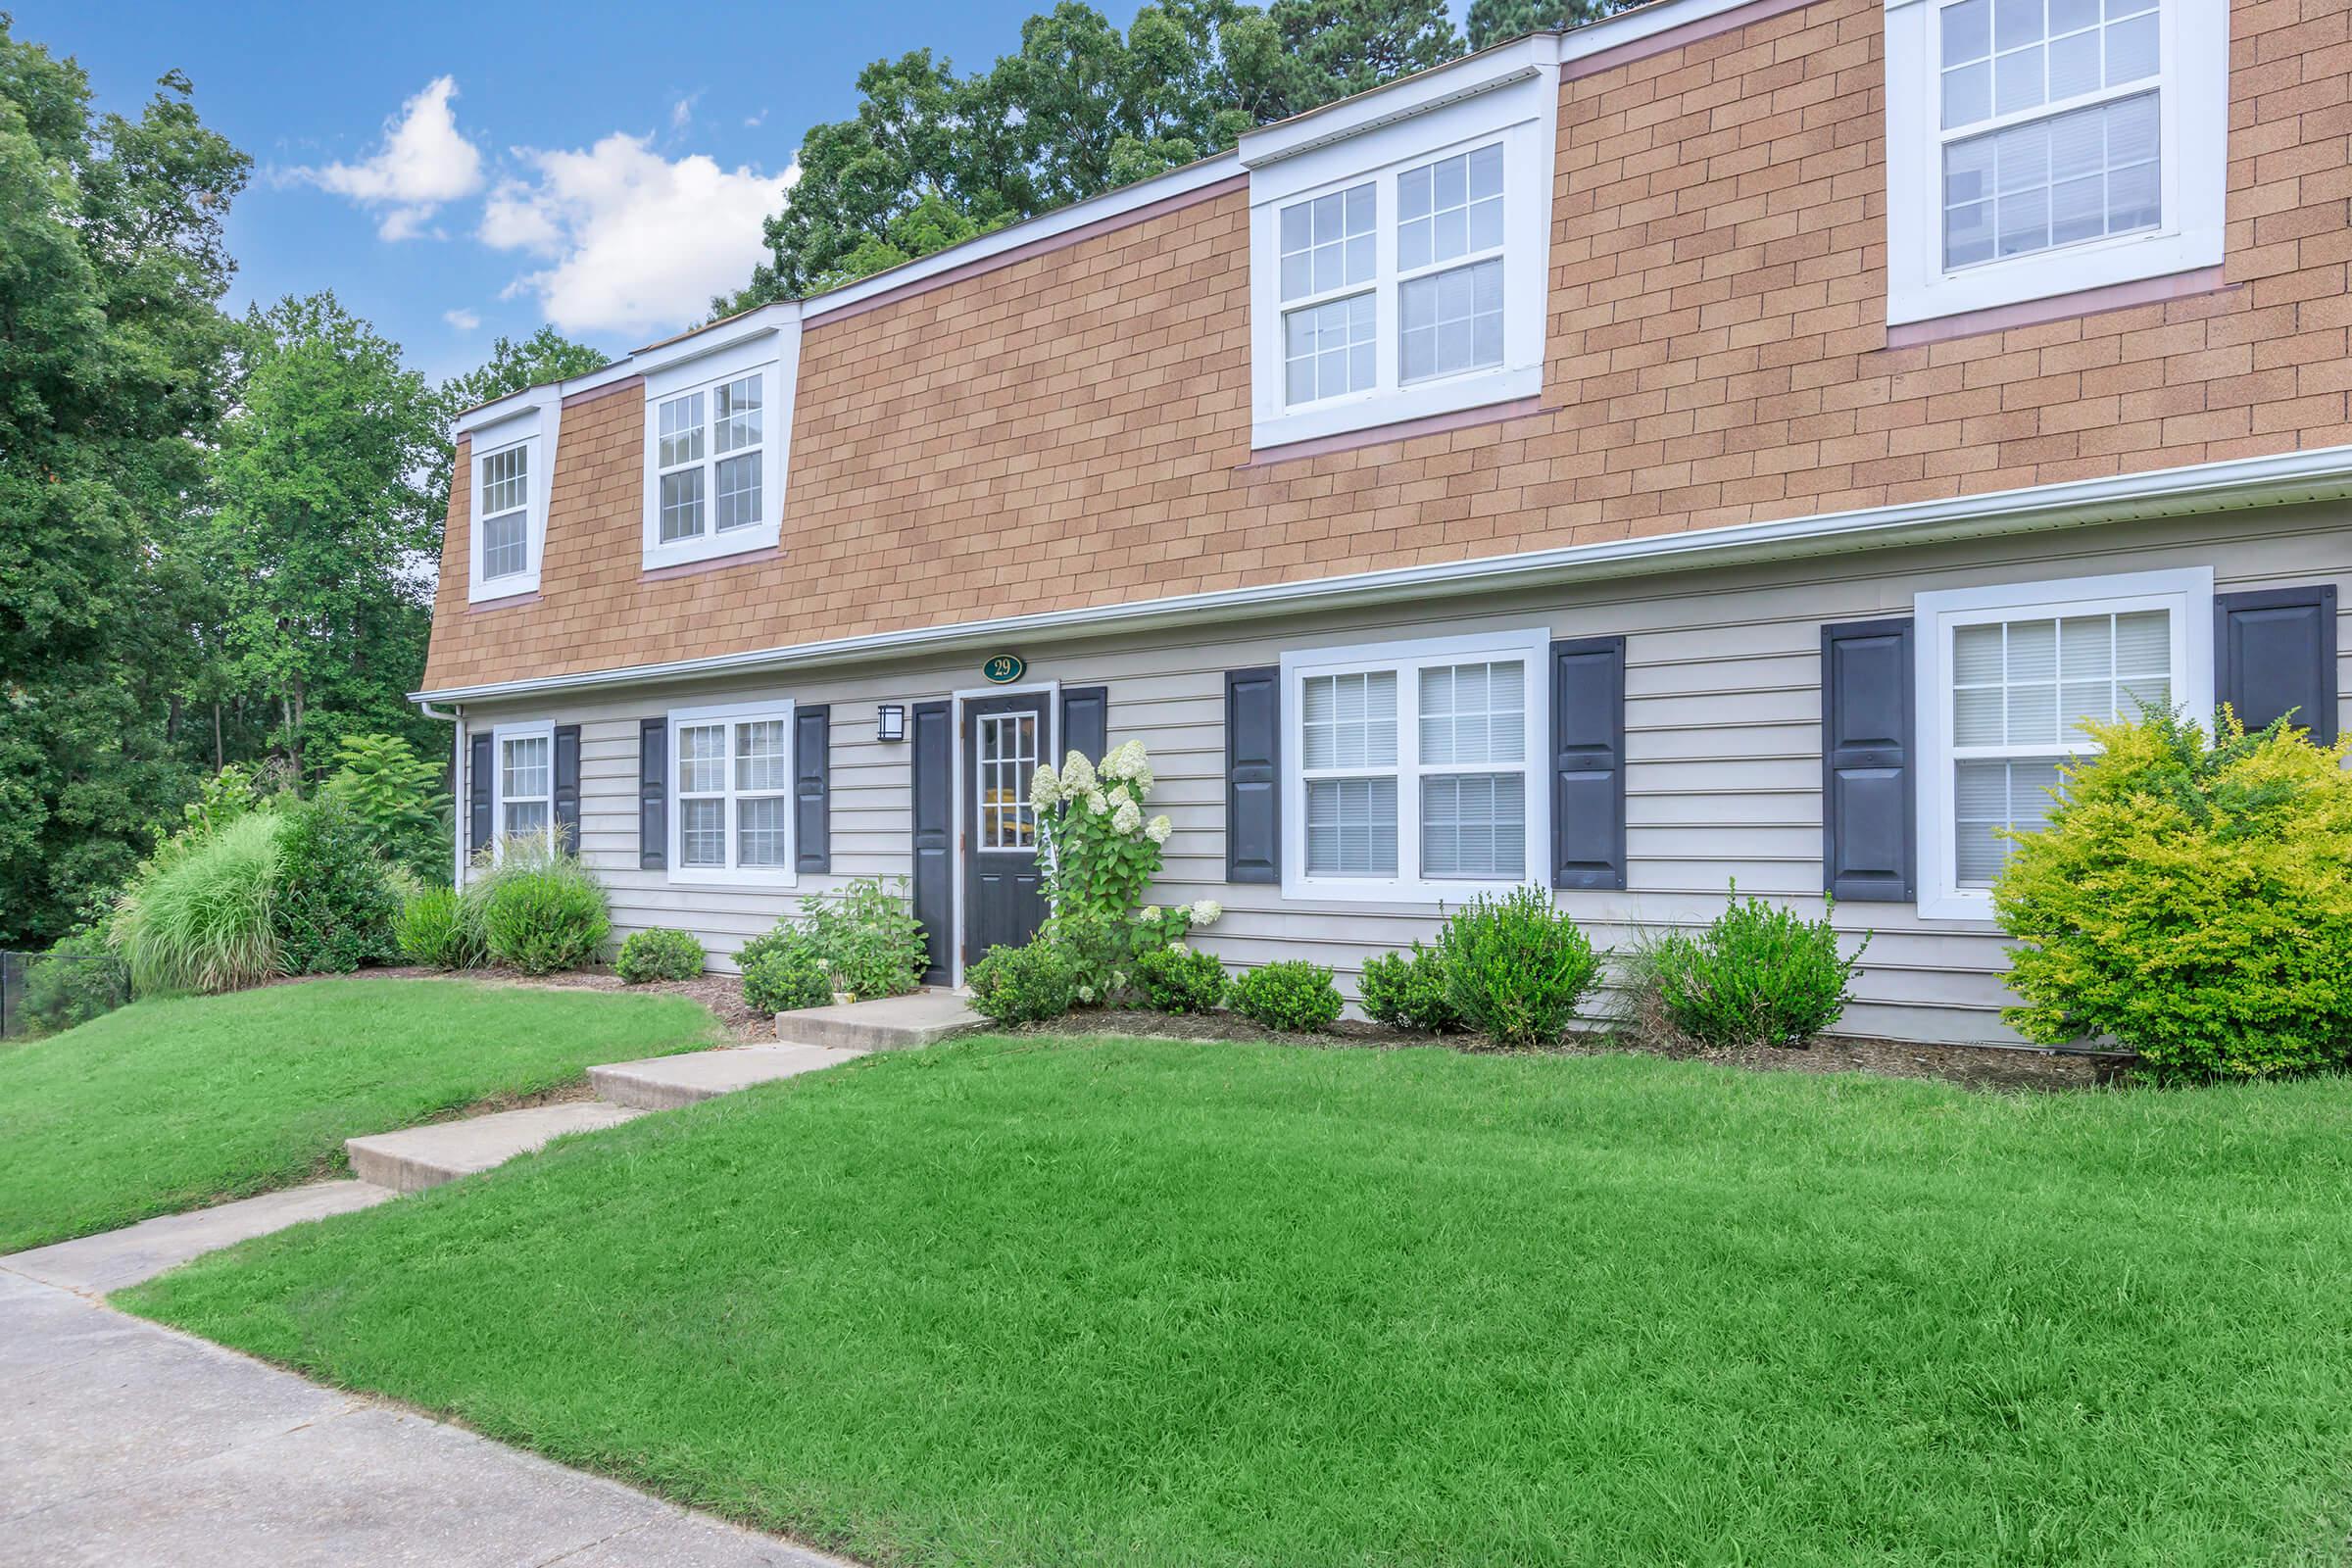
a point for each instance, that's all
(890, 722)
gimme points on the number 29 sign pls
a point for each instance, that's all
(1004, 670)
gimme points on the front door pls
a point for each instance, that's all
(1003, 739)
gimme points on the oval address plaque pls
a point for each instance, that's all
(1004, 670)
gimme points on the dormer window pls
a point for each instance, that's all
(715, 429)
(2040, 148)
(506, 491)
(1398, 270)
(507, 483)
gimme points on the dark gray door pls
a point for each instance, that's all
(934, 766)
(1005, 738)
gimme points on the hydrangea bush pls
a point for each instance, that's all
(1099, 854)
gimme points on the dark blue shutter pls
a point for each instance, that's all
(2274, 653)
(1868, 833)
(653, 793)
(812, 788)
(1254, 775)
(567, 803)
(481, 825)
(1085, 722)
(1587, 762)
(932, 756)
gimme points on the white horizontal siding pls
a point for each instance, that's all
(1723, 744)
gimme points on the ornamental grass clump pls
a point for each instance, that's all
(1516, 968)
(436, 929)
(2191, 901)
(201, 917)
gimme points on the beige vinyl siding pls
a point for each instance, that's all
(1723, 749)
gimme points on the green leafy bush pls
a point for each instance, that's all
(398, 795)
(1409, 991)
(540, 909)
(784, 976)
(659, 955)
(1516, 968)
(868, 937)
(1291, 995)
(201, 918)
(77, 980)
(2191, 901)
(1099, 854)
(335, 905)
(1758, 975)
(1024, 983)
(435, 927)
(1180, 979)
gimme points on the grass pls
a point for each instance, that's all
(1150, 1303)
(172, 1105)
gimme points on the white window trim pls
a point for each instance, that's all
(2193, 129)
(2187, 592)
(730, 875)
(1521, 110)
(535, 429)
(1532, 646)
(774, 355)
(500, 735)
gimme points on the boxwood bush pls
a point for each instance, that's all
(1516, 968)
(1409, 991)
(2191, 902)
(1758, 975)
(783, 975)
(334, 903)
(1293, 995)
(660, 953)
(1180, 979)
(1023, 985)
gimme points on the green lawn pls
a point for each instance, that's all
(168, 1106)
(1148, 1302)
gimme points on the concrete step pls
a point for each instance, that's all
(97, 1264)
(887, 1023)
(662, 1083)
(426, 1156)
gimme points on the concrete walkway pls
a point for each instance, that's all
(124, 1442)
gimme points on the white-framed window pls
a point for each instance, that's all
(523, 788)
(1398, 272)
(2007, 675)
(731, 794)
(1412, 771)
(506, 474)
(715, 444)
(2042, 147)
(1008, 748)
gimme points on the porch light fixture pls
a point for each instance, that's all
(890, 722)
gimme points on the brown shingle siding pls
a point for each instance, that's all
(1072, 429)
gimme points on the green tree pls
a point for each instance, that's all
(932, 158)
(112, 355)
(547, 355)
(321, 543)
(398, 795)
(1494, 21)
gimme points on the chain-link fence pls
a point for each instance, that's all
(42, 992)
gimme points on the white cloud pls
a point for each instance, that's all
(424, 161)
(463, 319)
(634, 241)
(755, 121)
(681, 112)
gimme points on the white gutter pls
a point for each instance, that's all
(2323, 473)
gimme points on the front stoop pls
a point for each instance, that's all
(887, 1023)
(665, 1083)
(426, 1156)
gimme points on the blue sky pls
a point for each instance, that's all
(454, 171)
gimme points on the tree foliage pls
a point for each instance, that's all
(546, 356)
(932, 158)
(1494, 21)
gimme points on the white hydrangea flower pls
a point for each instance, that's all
(1119, 796)
(1119, 979)
(1122, 760)
(1128, 818)
(1159, 829)
(1096, 803)
(1205, 911)
(1178, 947)
(1086, 993)
(1077, 775)
(1149, 915)
(1045, 787)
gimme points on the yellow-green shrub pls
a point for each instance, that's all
(2193, 902)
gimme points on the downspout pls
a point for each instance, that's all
(456, 784)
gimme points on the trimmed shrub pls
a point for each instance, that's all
(784, 976)
(1180, 979)
(2191, 901)
(540, 909)
(1293, 995)
(1516, 968)
(1758, 975)
(74, 982)
(863, 935)
(336, 905)
(436, 928)
(1023, 985)
(659, 955)
(201, 918)
(1408, 991)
